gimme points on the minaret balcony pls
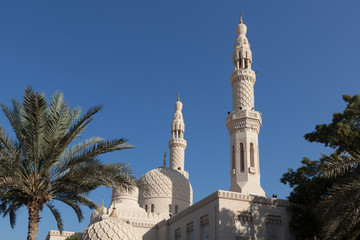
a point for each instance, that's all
(243, 114)
(243, 75)
(242, 71)
(180, 142)
(244, 119)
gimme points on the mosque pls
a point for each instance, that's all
(165, 211)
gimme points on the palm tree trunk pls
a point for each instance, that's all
(34, 220)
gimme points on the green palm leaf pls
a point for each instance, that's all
(41, 164)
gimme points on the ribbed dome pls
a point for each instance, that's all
(110, 228)
(166, 182)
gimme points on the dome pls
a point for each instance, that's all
(126, 194)
(97, 214)
(178, 106)
(110, 228)
(241, 29)
(166, 182)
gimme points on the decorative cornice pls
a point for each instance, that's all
(253, 198)
(222, 194)
(246, 76)
(244, 120)
(177, 142)
(142, 224)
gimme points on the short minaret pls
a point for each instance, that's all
(244, 122)
(177, 143)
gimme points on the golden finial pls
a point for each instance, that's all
(178, 96)
(241, 21)
(164, 159)
(113, 213)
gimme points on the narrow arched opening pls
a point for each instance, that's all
(252, 155)
(242, 158)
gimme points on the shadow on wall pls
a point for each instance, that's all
(250, 223)
(151, 234)
(181, 194)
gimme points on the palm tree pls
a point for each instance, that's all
(340, 208)
(42, 164)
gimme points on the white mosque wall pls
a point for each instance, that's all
(229, 215)
(56, 235)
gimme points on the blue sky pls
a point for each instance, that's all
(135, 56)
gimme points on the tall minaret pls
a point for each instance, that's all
(244, 122)
(177, 143)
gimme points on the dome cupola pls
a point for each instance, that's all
(242, 55)
(110, 228)
(169, 191)
(98, 213)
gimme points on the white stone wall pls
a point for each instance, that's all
(262, 209)
(231, 215)
(55, 235)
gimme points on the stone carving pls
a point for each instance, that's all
(110, 228)
(166, 182)
(243, 95)
(177, 157)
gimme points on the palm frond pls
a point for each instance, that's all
(336, 165)
(14, 117)
(340, 209)
(74, 201)
(38, 166)
(97, 149)
(56, 215)
(74, 205)
(75, 130)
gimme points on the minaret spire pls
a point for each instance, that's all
(244, 122)
(113, 213)
(164, 159)
(177, 143)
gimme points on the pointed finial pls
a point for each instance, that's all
(113, 213)
(178, 96)
(103, 201)
(164, 159)
(241, 21)
(127, 170)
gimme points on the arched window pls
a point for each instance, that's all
(176, 209)
(233, 158)
(152, 207)
(146, 208)
(242, 158)
(252, 155)
(169, 208)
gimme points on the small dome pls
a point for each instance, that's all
(110, 228)
(97, 214)
(178, 106)
(166, 182)
(241, 29)
(126, 194)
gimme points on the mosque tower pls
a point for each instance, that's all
(244, 122)
(169, 190)
(177, 143)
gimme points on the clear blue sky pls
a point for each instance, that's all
(134, 57)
